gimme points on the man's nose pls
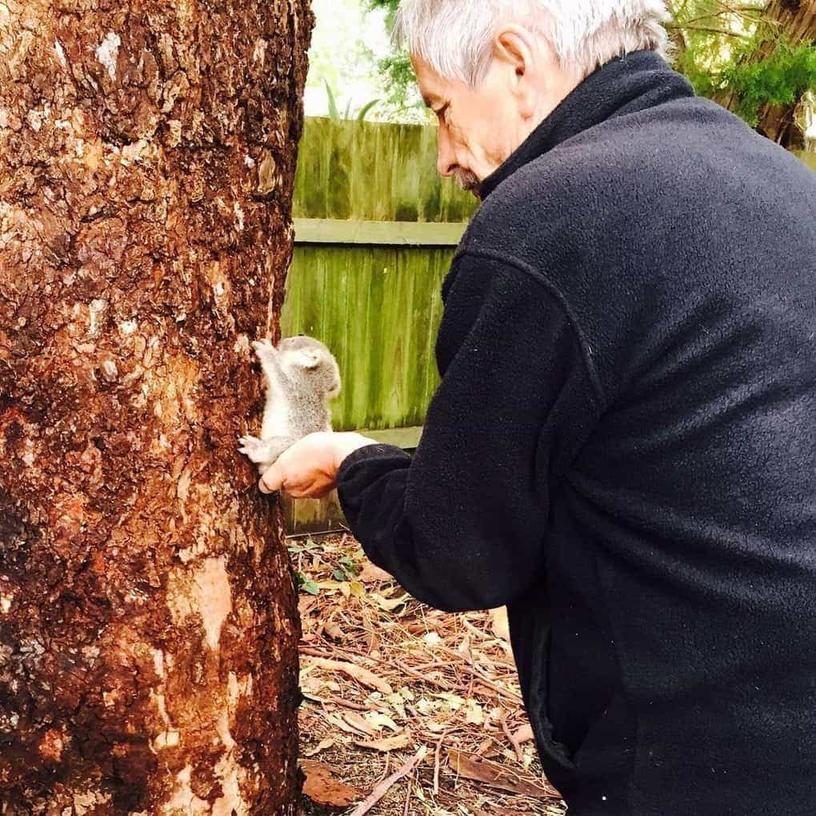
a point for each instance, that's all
(445, 156)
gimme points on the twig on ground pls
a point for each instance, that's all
(338, 701)
(437, 756)
(387, 784)
(509, 734)
(431, 681)
(408, 797)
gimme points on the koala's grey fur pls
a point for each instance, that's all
(301, 377)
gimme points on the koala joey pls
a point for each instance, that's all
(301, 376)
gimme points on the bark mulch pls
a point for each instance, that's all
(407, 710)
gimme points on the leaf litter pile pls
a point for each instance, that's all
(406, 710)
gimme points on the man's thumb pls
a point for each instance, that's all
(272, 480)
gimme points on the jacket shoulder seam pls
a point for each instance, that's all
(542, 280)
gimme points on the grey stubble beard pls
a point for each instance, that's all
(468, 181)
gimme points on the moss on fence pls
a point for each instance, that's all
(374, 172)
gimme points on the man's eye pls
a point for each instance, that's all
(440, 112)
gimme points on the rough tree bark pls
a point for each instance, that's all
(147, 611)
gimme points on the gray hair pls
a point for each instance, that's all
(455, 37)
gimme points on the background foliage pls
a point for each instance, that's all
(757, 58)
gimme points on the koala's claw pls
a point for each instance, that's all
(253, 448)
(264, 348)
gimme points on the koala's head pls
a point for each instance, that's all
(309, 360)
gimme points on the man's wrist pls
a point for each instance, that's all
(347, 443)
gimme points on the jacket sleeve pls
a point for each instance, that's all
(462, 524)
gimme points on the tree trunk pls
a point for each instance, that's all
(148, 625)
(795, 20)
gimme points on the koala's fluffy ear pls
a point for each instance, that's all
(307, 359)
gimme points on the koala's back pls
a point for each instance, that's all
(309, 413)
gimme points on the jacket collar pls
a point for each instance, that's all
(630, 83)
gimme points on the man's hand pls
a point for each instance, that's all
(308, 470)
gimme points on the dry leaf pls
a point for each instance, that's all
(499, 623)
(321, 787)
(334, 631)
(305, 604)
(432, 639)
(474, 713)
(338, 722)
(389, 604)
(484, 746)
(322, 746)
(453, 701)
(309, 684)
(378, 720)
(354, 671)
(394, 743)
(312, 698)
(495, 775)
(359, 723)
(352, 723)
(524, 734)
(397, 702)
(372, 574)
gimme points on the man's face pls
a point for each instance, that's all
(477, 126)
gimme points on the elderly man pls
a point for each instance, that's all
(623, 446)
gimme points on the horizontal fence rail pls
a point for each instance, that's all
(376, 233)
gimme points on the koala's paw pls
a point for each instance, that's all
(264, 348)
(256, 450)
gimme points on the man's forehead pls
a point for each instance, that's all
(431, 85)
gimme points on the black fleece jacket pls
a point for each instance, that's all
(623, 451)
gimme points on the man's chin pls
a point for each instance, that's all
(469, 182)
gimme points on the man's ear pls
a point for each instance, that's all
(515, 47)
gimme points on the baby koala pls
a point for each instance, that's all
(301, 377)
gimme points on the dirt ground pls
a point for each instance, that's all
(407, 710)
